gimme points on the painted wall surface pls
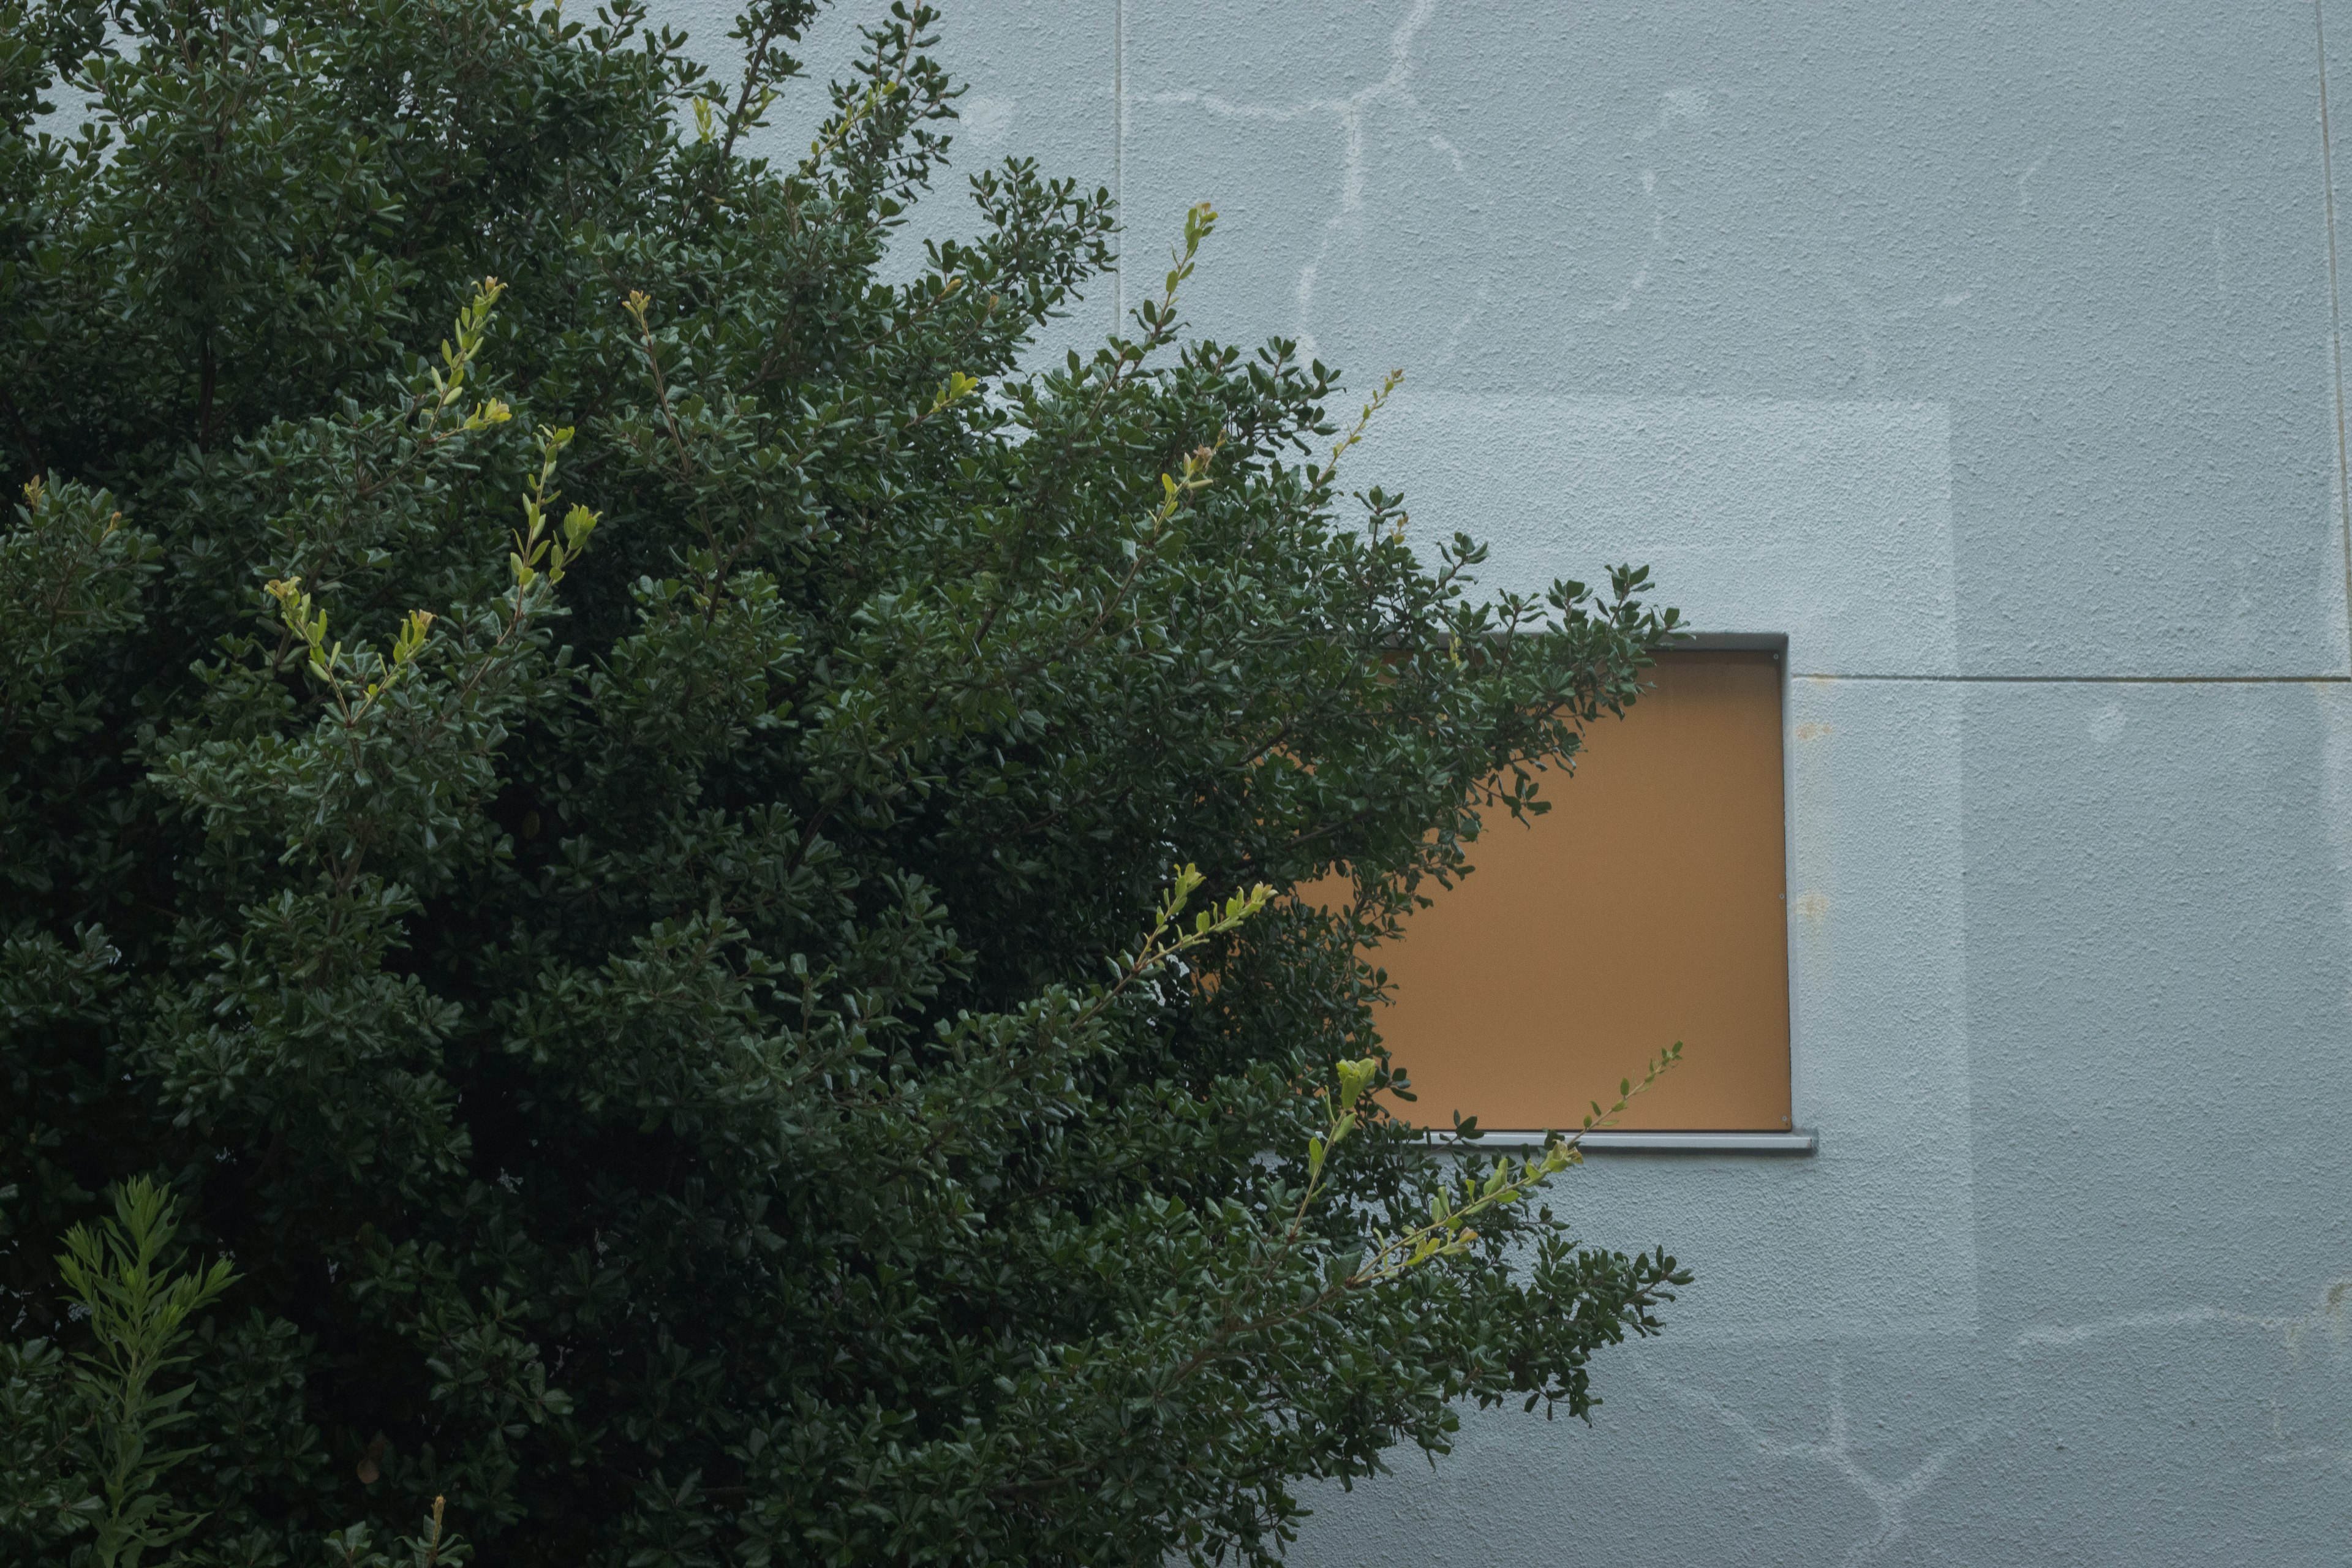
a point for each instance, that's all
(1989, 351)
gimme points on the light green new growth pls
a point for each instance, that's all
(538, 551)
(1448, 1231)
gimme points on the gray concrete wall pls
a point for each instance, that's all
(1989, 351)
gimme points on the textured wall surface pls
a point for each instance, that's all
(1989, 351)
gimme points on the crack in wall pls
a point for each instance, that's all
(1350, 112)
(2330, 1320)
(1395, 90)
(2327, 1320)
(1890, 1498)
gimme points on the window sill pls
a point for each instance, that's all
(1610, 1140)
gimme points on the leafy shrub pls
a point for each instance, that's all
(625, 869)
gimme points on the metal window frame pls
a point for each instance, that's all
(1617, 1140)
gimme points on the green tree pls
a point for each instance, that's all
(629, 858)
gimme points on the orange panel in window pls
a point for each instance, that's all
(1647, 907)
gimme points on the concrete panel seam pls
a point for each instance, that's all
(1119, 164)
(2082, 679)
(2335, 307)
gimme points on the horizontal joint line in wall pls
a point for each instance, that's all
(2090, 679)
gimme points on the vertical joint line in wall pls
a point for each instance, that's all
(1118, 171)
(2335, 311)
